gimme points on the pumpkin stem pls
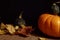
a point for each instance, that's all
(55, 8)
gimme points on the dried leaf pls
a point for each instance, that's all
(3, 26)
(10, 28)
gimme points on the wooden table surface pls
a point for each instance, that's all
(17, 37)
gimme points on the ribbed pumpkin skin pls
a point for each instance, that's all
(49, 24)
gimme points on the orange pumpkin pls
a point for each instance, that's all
(49, 24)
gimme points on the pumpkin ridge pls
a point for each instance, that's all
(47, 22)
(59, 26)
(51, 26)
(55, 32)
(42, 20)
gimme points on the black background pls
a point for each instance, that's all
(32, 9)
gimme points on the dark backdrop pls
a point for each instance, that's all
(32, 10)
